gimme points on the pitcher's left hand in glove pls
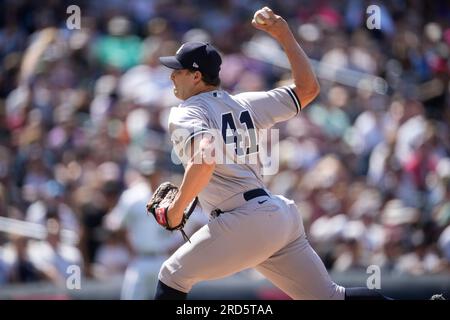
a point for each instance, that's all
(159, 204)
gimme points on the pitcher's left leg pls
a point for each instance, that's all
(230, 243)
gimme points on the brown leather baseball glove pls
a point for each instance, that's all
(159, 203)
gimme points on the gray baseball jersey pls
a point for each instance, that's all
(218, 111)
(261, 231)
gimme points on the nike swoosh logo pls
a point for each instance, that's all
(261, 202)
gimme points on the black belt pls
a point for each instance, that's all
(248, 195)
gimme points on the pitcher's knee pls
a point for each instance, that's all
(172, 274)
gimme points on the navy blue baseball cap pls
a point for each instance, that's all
(195, 56)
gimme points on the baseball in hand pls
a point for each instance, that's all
(258, 18)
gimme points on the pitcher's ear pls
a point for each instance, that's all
(197, 75)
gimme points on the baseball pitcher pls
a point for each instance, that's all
(249, 226)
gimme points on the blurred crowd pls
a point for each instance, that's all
(83, 135)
